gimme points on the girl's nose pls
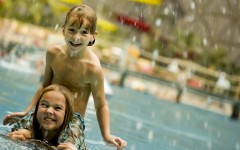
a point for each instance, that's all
(49, 110)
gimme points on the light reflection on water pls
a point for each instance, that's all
(144, 121)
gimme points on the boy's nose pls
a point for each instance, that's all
(77, 37)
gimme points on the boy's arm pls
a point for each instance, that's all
(102, 111)
(47, 80)
(34, 100)
(11, 118)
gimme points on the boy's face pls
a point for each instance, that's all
(77, 37)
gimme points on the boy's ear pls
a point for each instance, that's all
(91, 42)
(63, 29)
(93, 39)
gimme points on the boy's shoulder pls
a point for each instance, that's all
(94, 58)
(55, 48)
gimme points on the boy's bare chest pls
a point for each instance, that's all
(72, 74)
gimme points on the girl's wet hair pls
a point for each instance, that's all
(81, 13)
(69, 111)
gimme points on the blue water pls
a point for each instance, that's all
(141, 119)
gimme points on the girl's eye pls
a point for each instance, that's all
(44, 105)
(58, 108)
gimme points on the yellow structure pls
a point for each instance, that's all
(150, 2)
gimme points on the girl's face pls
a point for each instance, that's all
(77, 38)
(51, 110)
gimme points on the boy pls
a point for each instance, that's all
(75, 66)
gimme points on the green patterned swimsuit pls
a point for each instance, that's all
(73, 133)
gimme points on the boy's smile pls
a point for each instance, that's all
(75, 44)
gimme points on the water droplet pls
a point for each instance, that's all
(174, 142)
(56, 27)
(95, 83)
(150, 135)
(166, 11)
(237, 146)
(192, 5)
(188, 116)
(205, 125)
(134, 38)
(138, 125)
(219, 134)
(205, 42)
(133, 147)
(153, 114)
(158, 22)
(209, 144)
(177, 115)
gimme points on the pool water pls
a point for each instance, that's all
(141, 119)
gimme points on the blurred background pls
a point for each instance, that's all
(179, 51)
(182, 43)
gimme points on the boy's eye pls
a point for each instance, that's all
(71, 30)
(85, 32)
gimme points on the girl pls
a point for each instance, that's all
(54, 110)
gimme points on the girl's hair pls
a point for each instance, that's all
(82, 13)
(69, 111)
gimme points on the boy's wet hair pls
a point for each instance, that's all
(80, 14)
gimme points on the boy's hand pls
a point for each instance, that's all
(21, 134)
(66, 146)
(13, 117)
(115, 141)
